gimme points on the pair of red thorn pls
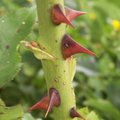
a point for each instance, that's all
(47, 103)
(58, 16)
(69, 46)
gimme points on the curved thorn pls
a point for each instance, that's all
(72, 14)
(70, 47)
(58, 16)
(54, 100)
(74, 113)
(42, 104)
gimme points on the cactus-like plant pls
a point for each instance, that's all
(56, 49)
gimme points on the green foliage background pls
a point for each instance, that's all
(97, 80)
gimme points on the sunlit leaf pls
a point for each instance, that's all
(87, 114)
(107, 108)
(10, 113)
(28, 116)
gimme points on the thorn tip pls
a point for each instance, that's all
(72, 14)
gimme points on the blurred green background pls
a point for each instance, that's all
(97, 80)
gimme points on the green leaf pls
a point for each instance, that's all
(105, 106)
(10, 113)
(92, 116)
(88, 115)
(28, 116)
(84, 111)
(14, 27)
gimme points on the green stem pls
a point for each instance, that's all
(59, 73)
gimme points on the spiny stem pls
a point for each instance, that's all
(58, 72)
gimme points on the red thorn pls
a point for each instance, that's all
(42, 104)
(47, 103)
(70, 47)
(74, 113)
(58, 16)
(72, 14)
(54, 100)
